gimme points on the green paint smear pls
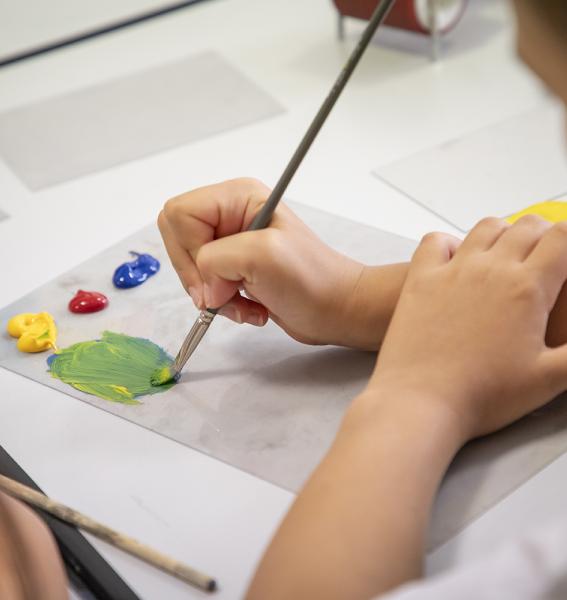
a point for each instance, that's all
(117, 367)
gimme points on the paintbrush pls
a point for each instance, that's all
(87, 571)
(119, 540)
(264, 216)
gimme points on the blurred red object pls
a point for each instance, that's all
(412, 15)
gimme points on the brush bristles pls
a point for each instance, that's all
(162, 376)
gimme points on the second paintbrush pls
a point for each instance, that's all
(264, 216)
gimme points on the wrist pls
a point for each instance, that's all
(412, 413)
(368, 305)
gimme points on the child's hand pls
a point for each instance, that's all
(287, 273)
(468, 333)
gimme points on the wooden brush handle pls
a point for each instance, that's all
(119, 540)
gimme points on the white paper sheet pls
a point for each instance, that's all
(492, 172)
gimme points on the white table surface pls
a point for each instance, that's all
(193, 507)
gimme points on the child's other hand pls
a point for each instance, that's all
(468, 334)
(285, 270)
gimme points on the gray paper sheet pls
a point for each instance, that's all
(496, 171)
(3, 215)
(256, 399)
(121, 120)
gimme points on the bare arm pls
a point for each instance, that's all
(464, 355)
(30, 565)
(358, 526)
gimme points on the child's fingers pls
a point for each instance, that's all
(483, 235)
(521, 238)
(243, 310)
(435, 249)
(549, 259)
(250, 256)
(215, 211)
(182, 262)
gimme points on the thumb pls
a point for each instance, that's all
(435, 249)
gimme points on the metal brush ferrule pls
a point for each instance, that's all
(193, 339)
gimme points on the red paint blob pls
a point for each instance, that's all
(88, 302)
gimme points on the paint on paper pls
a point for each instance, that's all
(36, 332)
(552, 210)
(133, 273)
(117, 367)
(87, 302)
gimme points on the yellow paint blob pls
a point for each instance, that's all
(552, 211)
(36, 332)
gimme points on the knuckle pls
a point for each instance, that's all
(531, 290)
(526, 287)
(560, 229)
(531, 219)
(172, 208)
(251, 183)
(492, 224)
(433, 237)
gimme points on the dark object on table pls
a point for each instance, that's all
(85, 567)
(430, 17)
(102, 30)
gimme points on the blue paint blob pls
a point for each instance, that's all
(131, 274)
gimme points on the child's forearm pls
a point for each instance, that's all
(358, 527)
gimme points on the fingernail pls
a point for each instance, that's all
(255, 318)
(207, 292)
(231, 313)
(195, 296)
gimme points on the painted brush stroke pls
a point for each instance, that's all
(553, 211)
(117, 367)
